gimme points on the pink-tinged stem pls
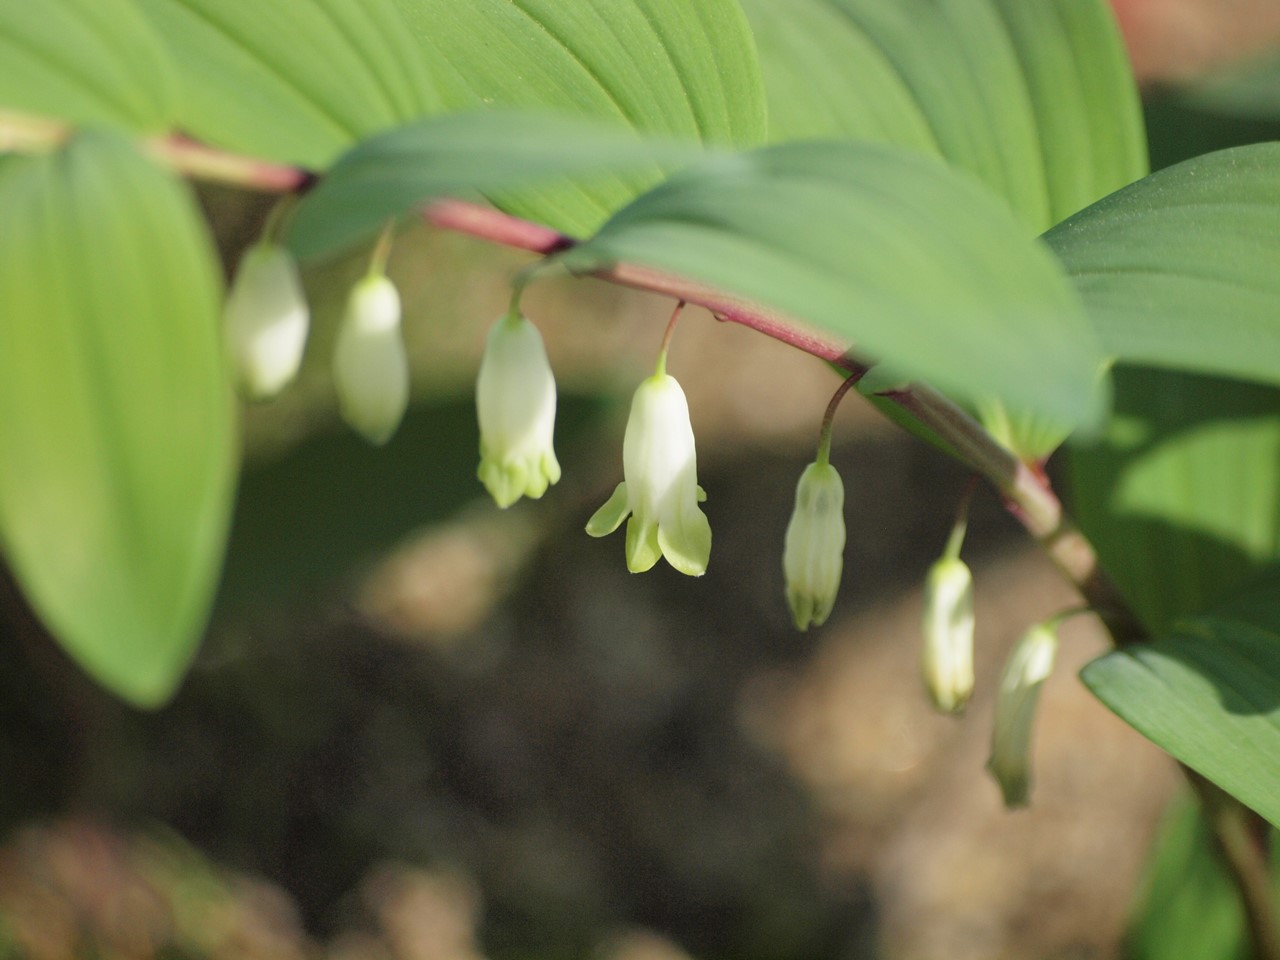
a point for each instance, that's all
(495, 226)
(23, 133)
(1026, 489)
(195, 160)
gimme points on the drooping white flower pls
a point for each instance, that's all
(660, 488)
(1025, 673)
(516, 407)
(947, 657)
(813, 554)
(370, 367)
(266, 321)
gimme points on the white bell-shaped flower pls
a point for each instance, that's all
(660, 488)
(370, 367)
(813, 554)
(947, 658)
(266, 321)
(516, 407)
(1025, 673)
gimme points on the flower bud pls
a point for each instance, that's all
(660, 488)
(1029, 666)
(947, 657)
(370, 368)
(266, 321)
(516, 407)
(813, 554)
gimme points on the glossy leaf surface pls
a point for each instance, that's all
(1180, 269)
(1179, 496)
(116, 431)
(910, 261)
(1209, 694)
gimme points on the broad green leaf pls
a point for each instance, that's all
(684, 69)
(116, 435)
(84, 61)
(1209, 693)
(459, 155)
(296, 81)
(1179, 497)
(1035, 99)
(909, 260)
(1189, 905)
(1182, 269)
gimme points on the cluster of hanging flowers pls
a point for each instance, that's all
(947, 665)
(266, 329)
(267, 322)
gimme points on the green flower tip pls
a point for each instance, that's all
(516, 408)
(946, 661)
(659, 496)
(813, 554)
(1024, 674)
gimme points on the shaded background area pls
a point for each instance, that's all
(425, 728)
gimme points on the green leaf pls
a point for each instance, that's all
(116, 436)
(1182, 269)
(1189, 905)
(458, 155)
(1209, 694)
(911, 261)
(683, 69)
(1035, 99)
(85, 61)
(295, 81)
(1179, 497)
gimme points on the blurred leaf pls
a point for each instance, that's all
(1179, 129)
(295, 81)
(908, 259)
(684, 69)
(85, 61)
(1189, 905)
(116, 437)
(1179, 497)
(459, 155)
(1209, 693)
(1247, 90)
(1035, 99)
(1182, 269)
